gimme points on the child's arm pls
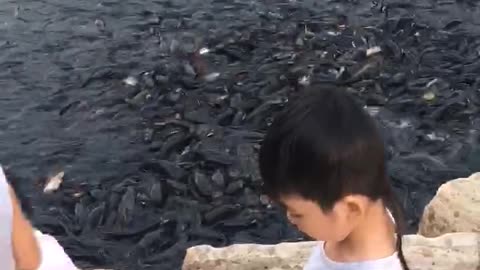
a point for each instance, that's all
(25, 247)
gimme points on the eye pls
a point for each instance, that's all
(296, 216)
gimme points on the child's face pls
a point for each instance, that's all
(311, 219)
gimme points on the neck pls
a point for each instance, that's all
(373, 238)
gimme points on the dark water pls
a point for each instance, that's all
(62, 104)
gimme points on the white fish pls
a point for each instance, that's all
(432, 82)
(211, 77)
(54, 183)
(404, 123)
(308, 32)
(435, 137)
(333, 33)
(16, 12)
(203, 51)
(304, 80)
(339, 73)
(373, 50)
(429, 96)
(130, 80)
(100, 24)
(372, 110)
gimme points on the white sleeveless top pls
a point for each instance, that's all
(7, 261)
(319, 261)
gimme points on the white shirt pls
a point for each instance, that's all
(319, 261)
(7, 261)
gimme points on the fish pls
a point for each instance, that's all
(156, 193)
(95, 218)
(53, 184)
(127, 207)
(220, 212)
(130, 81)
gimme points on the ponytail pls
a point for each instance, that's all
(393, 204)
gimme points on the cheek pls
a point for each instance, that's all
(341, 226)
(341, 230)
(326, 228)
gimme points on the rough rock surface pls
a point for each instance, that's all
(447, 252)
(455, 208)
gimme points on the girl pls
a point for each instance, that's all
(19, 247)
(22, 247)
(323, 159)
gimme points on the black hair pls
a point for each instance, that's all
(324, 146)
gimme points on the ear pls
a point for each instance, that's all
(354, 207)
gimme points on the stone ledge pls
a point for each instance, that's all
(452, 251)
(455, 208)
